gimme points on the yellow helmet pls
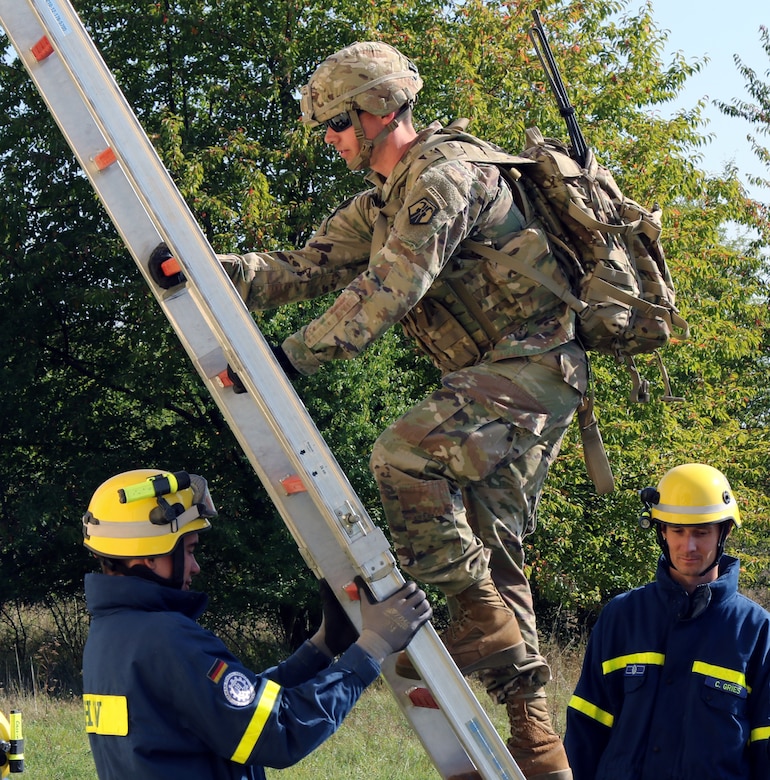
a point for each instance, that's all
(5, 737)
(143, 513)
(692, 494)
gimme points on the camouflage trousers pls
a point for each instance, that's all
(461, 474)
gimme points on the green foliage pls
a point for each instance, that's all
(93, 380)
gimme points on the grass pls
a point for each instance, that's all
(55, 742)
(374, 743)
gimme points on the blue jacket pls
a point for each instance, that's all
(675, 687)
(165, 700)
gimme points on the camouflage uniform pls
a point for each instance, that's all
(460, 474)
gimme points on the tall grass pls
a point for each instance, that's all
(55, 742)
(374, 743)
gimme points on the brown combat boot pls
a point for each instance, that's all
(483, 635)
(535, 746)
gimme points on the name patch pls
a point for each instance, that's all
(734, 689)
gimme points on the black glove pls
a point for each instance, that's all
(284, 362)
(388, 626)
(160, 275)
(238, 386)
(338, 632)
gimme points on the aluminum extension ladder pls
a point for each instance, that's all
(333, 531)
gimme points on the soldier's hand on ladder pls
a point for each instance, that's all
(284, 362)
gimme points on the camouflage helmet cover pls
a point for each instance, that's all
(369, 76)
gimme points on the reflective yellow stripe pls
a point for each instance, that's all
(721, 673)
(622, 661)
(258, 720)
(581, 705)
(757, 735)
(106, 714)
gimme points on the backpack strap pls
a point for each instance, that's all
(594, 454)
(520, 266)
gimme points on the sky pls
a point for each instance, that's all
(718, 30)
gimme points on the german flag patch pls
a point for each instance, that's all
(217, 670)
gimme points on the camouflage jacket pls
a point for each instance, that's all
(459, 308)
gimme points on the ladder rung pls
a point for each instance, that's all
(422, 697)
(293, 484)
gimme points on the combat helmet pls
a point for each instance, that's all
(369, 76)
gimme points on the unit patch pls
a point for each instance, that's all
(238, 689)
(421, 212)
(106, 714)
(635, 670)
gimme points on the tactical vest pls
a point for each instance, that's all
(477, 305)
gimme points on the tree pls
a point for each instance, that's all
(93, 381)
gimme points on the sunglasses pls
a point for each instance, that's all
(339, 123)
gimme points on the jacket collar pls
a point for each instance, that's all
(398, 174)
(105, 593)
(685, 606)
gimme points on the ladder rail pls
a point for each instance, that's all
(278, 436)
(152, 185)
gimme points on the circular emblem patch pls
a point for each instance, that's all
(239, 690)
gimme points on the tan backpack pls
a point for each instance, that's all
(608, 247)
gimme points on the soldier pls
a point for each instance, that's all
(676, 677)
(461, 474)
(164, 698)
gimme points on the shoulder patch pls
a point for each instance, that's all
(238, 689)
(421, 212)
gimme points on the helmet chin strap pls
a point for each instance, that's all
(175, 581)
(367, 145)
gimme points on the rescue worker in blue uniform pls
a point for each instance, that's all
(676, 678)
(164, 698)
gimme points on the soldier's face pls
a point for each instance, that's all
(346, 142)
